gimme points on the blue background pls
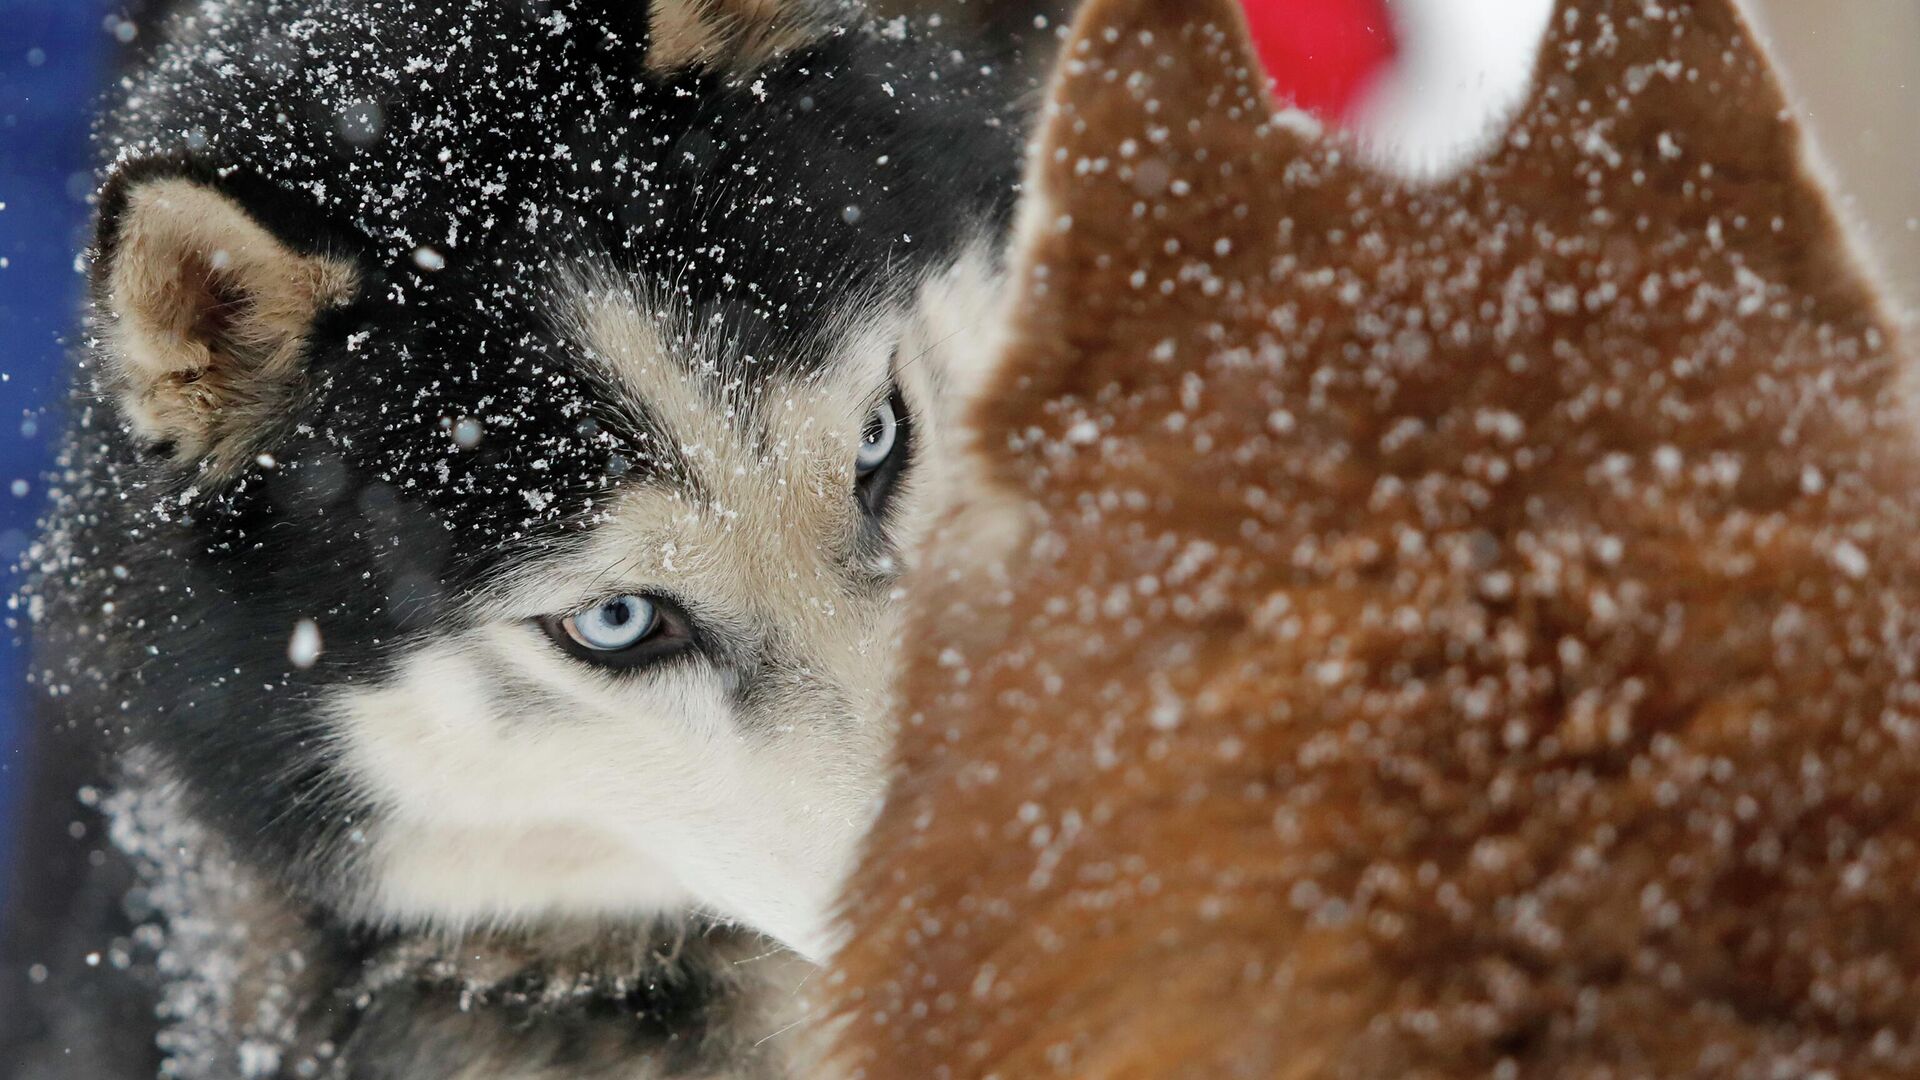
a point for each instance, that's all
(54, 59)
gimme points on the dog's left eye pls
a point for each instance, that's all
(624, 632)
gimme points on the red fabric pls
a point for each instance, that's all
(1323, 54)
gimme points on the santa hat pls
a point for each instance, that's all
(1324, 55)
(1426, 83)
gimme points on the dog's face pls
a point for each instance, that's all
(501, 480)
(679, 702)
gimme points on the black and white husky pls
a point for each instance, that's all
(499, 431)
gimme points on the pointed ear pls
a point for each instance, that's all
(1669, 121)
(1155, 161)
(205, 315)
(1626, 72)
(734, 37)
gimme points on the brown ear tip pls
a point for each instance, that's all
(731, 36)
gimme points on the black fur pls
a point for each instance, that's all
(505, 135)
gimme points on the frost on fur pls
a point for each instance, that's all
(349, 459)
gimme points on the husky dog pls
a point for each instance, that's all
(498, 434)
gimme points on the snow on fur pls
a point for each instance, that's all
(1448, 629)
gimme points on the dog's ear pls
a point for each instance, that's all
(733, 37)
(204, 314)
(1657, 133)
(1666, 126)
(1155, 161)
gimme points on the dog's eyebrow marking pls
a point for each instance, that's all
(652, 366)
(738, 425)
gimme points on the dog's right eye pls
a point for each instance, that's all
(878, 441)
(886, 444)
(624, 632)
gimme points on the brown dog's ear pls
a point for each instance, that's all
(1664, 129)
(1657, 130)
(1154, 166)
(730, 36)
(205, 316)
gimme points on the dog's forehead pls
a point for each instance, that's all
(479, 135)
(647, 347)
(641, 446)
(531, 424)
(763, 424)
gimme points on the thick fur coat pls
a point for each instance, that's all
(423, 332)
(1415, 628)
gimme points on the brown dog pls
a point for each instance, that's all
(1401, 630)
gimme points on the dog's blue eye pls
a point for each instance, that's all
(615, 626)
(881, 437)
(626, 633)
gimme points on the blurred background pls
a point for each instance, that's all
(1854, 66)
(54, 55)
(1855, 70)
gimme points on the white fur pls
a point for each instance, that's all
(643, 796)
(1464, 66)
(956, 344)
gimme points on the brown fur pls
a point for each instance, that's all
(1450, 631)
(208, 318)
(734, 36)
